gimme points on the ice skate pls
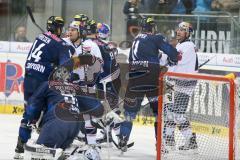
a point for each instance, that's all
(19, 150)
(122, 143)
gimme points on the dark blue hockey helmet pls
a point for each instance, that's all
(91, 27)
(53, 23)
(82, 18)
(148, 24)
(103, 30)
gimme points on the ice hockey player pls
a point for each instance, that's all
(183, 89)
(47, 52)
(61, 120)
(144, 70)
(77, 38)
(110, 77)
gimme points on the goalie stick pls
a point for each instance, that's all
(29, 10)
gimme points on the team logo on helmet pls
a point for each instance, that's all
(187, 27)
(103, 30)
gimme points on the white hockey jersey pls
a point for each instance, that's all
(189, 62)
(87, 46)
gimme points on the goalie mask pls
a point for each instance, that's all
(61, 74)
(55, 25)
(92, 154)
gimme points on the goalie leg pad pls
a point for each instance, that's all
(35, 151)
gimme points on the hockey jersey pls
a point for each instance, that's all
(188, 64)
(189, 61)
(146, 48)
(42, 100)
(111, 69)
(47, 51)
(87, 47)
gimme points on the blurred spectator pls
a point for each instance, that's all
(20, 34)
(203, 6)
(149, 6)
(166, 6)
(189, 5)
(130, 9)
(232, 6)
(184, 7)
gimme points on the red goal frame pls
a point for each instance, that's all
(232, 94)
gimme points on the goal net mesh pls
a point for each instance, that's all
(197, 117)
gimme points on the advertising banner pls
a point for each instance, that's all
(11, 82)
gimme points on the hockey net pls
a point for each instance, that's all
(198, 116)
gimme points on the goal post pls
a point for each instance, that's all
(211, 109)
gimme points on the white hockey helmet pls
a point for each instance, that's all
(75, 24)
(187, 27)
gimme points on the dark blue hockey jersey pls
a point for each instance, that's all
(146, 48)
(47, 52)
(42, 100)
(110, 67)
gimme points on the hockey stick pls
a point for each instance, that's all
(29, 10)
(209, 59)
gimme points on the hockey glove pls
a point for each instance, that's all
(179, 56)
(74, 78)
(171, 62)
(87, 59)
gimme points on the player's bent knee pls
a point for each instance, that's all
(130, 116)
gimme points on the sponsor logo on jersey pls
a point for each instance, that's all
(140, 63)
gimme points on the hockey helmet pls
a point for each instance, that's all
(53, 23)
(92, 154)
(103, 30)
(185, 26)
(91, 27)
(148, 24)
(83, 18)
(77, 25)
